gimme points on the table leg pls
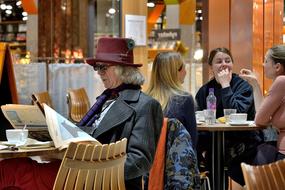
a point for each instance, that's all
(218, 174)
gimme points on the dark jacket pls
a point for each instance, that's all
(182, 108)
(138, 118)
(238, 96)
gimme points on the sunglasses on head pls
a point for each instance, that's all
(101, 67)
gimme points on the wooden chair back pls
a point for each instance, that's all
(92, 166)
(264, 177)
(42, 97)
(78, 104)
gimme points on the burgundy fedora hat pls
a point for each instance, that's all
(116, 51)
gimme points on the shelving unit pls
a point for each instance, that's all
(165, 43)
(14, 33)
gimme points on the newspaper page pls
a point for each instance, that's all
(20, 115)
(63, 131)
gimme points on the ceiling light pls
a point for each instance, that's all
(112, 11)
(19, 3)
(24, 13)
(3, 6)
(8, 12)
(198, 55)
(150, 4)
(9, 7)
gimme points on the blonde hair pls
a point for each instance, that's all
(164, 81)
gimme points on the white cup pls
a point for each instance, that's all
(17, 136)
(238, 117)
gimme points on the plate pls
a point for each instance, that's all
(199, 122)
(241, 123)
(30, 144)
(34, 144)
(6, 143)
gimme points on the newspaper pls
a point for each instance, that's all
(20, 115)
(61, 130)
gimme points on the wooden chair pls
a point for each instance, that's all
(264, 177)
(92, 166)
(42, 97)
(78, 104)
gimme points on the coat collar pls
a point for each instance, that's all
(119, 112)
(129, 95)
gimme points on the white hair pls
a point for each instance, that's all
(129, 75)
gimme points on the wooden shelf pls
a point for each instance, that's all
(14, 34)
(15, 44)
(13, 22)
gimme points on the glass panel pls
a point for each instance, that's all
(104, 21)
(72, 27)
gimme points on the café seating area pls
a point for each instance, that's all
(56, 79)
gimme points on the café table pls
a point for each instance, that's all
(46, 152)
(218, 147)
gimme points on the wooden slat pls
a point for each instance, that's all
(277, 176)
(63, 171)
(95, 176)
(107, 172)
(72, 175)
(82, 174)
(90, 166)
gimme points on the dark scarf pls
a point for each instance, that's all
(95, 110)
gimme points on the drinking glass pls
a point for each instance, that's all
(210, 116)
(227, 113)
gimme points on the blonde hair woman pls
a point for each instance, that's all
(167, 76)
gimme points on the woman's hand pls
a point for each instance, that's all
(224, 77)
(249, 76)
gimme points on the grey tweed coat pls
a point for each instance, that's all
(137, 117)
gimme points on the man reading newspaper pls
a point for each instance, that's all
(121, 111)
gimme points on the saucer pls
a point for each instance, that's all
(233, 123)
(6, 143)
(199, 122)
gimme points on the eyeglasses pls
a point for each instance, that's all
(101, 67)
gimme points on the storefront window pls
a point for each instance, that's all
(104, 20)
(71, 28)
